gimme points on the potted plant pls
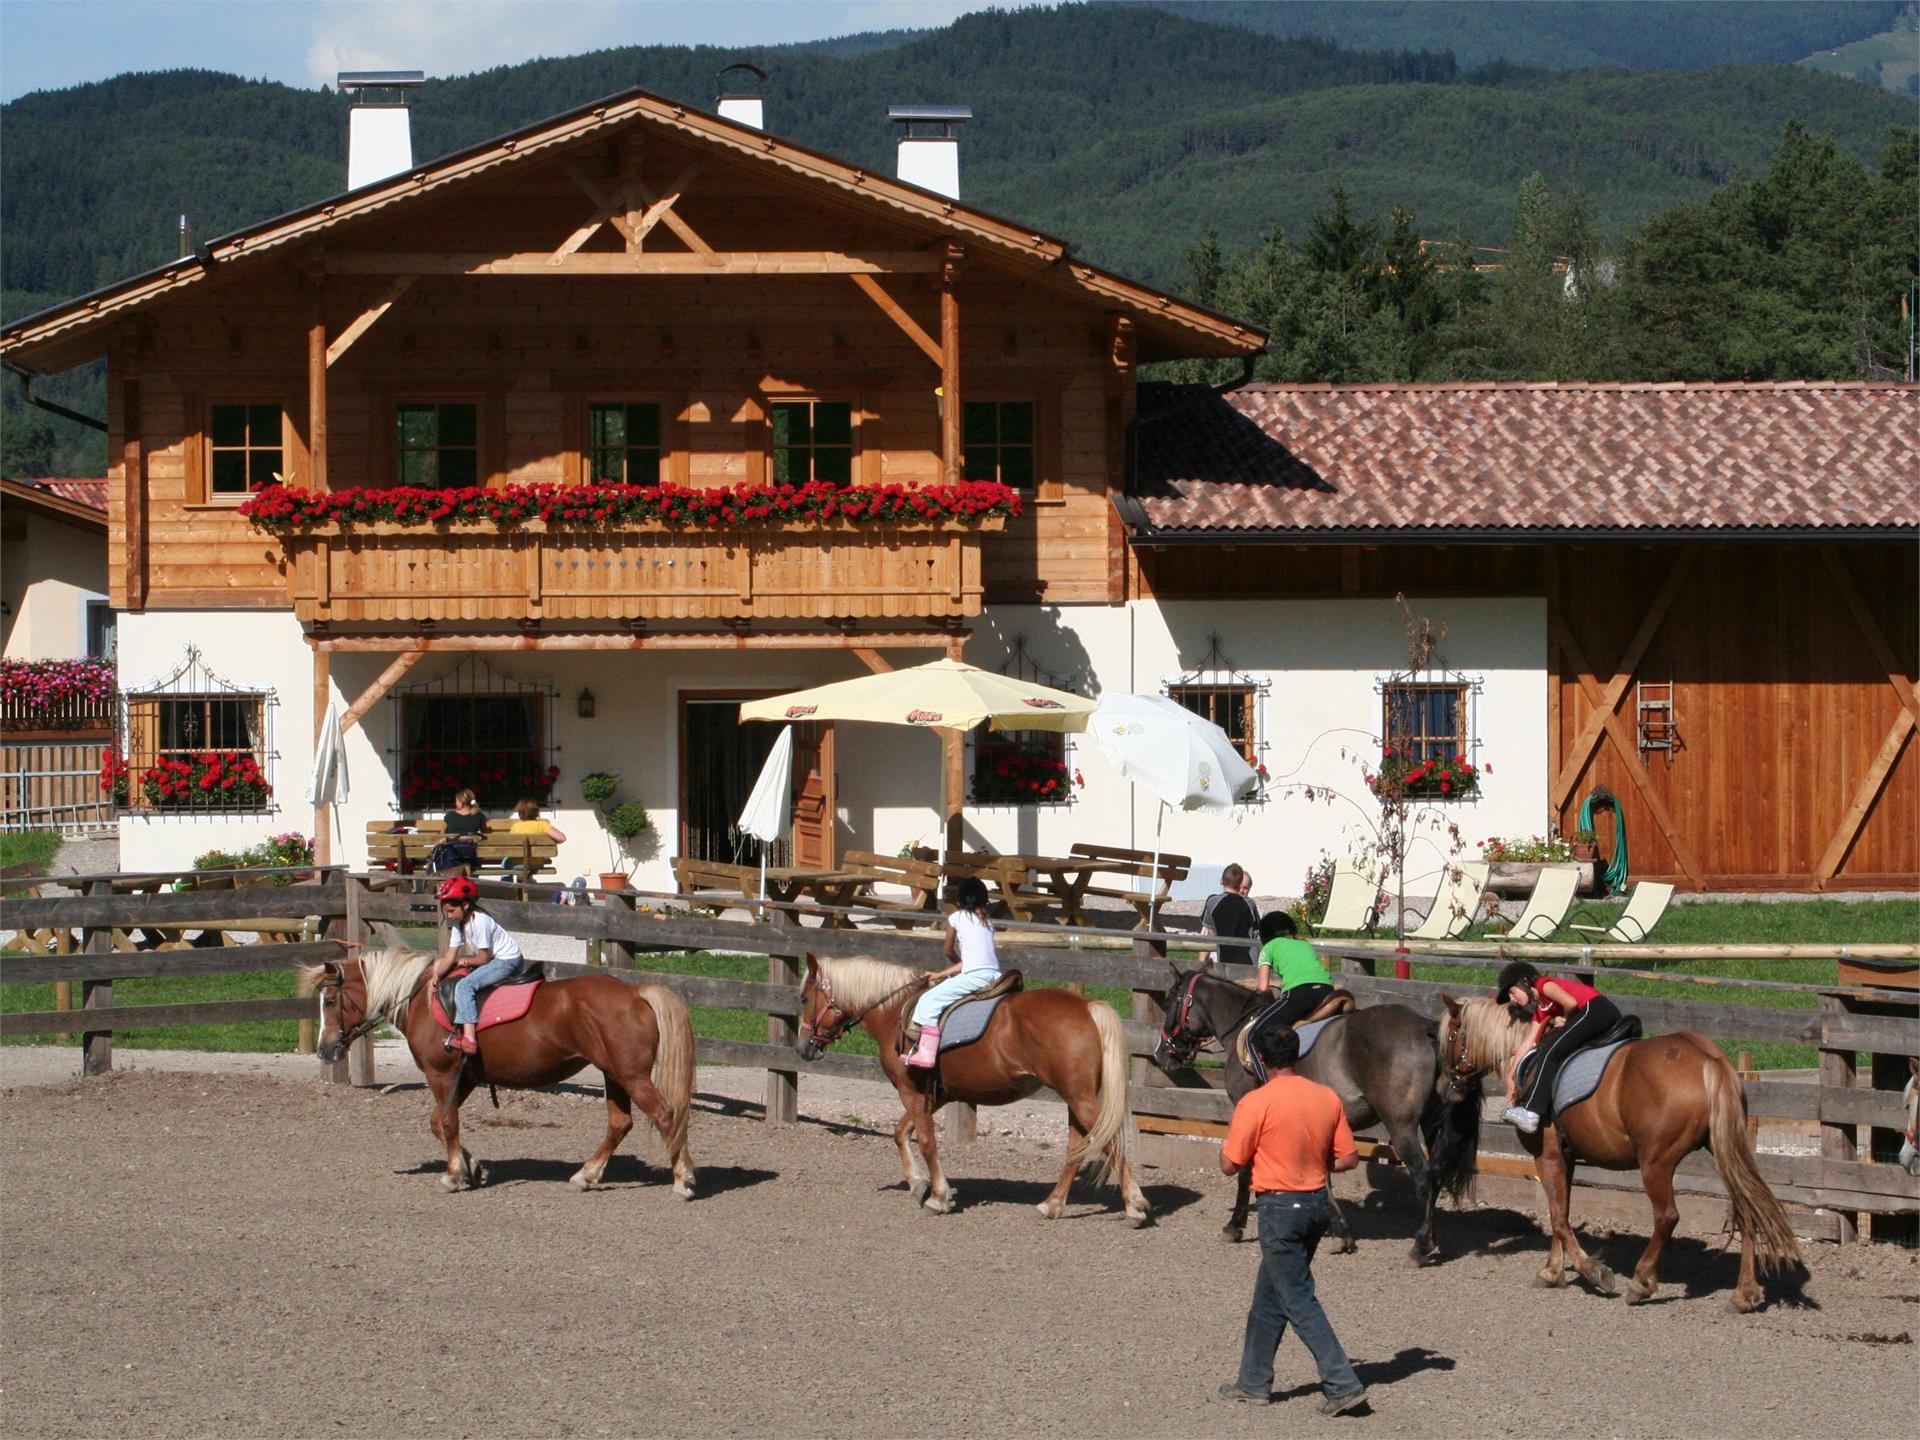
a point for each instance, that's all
(1584, 844)
(623, 823)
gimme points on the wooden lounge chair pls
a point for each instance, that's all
(1547, 906)
(1353, 905)
(1457, 904)
(1645, 906)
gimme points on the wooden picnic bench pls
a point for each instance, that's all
(920, 879)
(1009, 883)
(405, 845)
(1134, 865)
(715, 882)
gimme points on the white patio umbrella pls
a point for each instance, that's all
(769, 809)
(945, 695)
(327, 783)
(1183, 759)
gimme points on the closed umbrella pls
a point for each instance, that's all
(1183, 759)
(327, 782)
(769, 809)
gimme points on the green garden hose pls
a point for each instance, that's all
(1613, 879)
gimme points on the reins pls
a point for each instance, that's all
(847, 1021)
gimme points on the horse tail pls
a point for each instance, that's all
(1751, 1206)
(672, 1061)
(1451, 1129)
(1115, 1121)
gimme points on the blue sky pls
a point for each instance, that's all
(49, 44)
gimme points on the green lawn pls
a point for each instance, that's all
(1720, 921)
(39, 846)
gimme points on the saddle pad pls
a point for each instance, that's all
(1307, 1033)
(1579, 1077)
(498, 1005)
(966, 1021)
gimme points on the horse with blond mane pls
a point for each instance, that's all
(1659, 1100)
(1074, 1046)
(639, 1036)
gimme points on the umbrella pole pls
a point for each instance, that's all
(763, 879)
(1153, 903)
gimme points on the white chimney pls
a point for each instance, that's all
(379, 141)
(740, 98)
(929, 148)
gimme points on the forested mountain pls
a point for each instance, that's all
(1564, 34)
(1130, 130)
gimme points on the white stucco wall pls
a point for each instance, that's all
(1323, 659)
(46, 578)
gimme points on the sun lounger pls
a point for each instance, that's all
(1458, 903)
(1645, 906)
(1353, 905)
(1547, 907)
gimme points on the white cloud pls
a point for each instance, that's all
(456, 39)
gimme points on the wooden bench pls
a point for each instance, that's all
(405, 845)
(1123, 864)
(715, 882)
(1008, 881)
(921, 879)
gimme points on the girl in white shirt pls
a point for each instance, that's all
(496, 955)
(974, 965)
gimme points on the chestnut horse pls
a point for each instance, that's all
(638, 1035)
(1661, 1099)
(1074, 1046)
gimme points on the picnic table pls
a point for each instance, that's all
(788, 884)
(1064, 878)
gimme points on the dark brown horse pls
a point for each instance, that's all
(1660, 1100)
(1074, 1046)
(1380, 1061)
(638, 1035)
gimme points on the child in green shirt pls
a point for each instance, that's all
(1303, 981)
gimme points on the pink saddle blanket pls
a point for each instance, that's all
(497, 1005)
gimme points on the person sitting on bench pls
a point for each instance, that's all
(1586, 1015)
(1304, 982)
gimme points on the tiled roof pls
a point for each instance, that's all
(1506, 457)
(91, 493)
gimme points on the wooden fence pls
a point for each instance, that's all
(1856, 1123)
(54, 785)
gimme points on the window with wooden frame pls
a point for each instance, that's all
(205, 751)
(1234, 708)
(246, 448)
(998, 440)
(625, 442)
(1426, 720)
(810, 440)
(437, 443)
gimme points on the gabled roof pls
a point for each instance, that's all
(1361, 462)
(82, 501)
(1206, 331)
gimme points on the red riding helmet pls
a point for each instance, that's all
(458, 888)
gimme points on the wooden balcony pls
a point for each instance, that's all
(473, 573)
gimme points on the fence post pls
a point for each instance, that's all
(360, 1057)
(96, 1046)
(63, 989)
(616, 954)
(1147, 1008)
(1837, 1141)
(783, 1086)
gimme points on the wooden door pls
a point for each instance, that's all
(814, 807)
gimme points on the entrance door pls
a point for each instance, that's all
(719, 760)
(814, 807)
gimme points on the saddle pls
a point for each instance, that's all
(1580, 1076)
(1009, 982)
(508, 1000)
(1308, 1028)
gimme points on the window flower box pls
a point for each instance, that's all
(1441, 777)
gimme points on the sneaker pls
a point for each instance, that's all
(1235, 1391)
(1341, 1404)
(1523, 1120)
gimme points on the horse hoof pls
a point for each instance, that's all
(1743, 1304)
(1140, 1219)
(918, 1190)
(1603, 1280)
(451, 1185)
(1232, 1235)
(1347, 1246)
(1637, 1296)
(479, 1173)
(579, 1181)
(1048, 1210)
(1547, 1280)
(683, 1190)
(939, 1204)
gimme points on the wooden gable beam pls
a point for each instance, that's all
(586, 232)
(1624, 743)
(660, 208)
(368, 318)
(735, 262)
(895, 312)
(1867, 793)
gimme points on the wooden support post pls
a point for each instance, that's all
(360, 1057)
(1146, 1007)
(133, 481)
(317, 394)
(783, 1086)
(953, 788)
(950, 417)
(1837, 1141)
(618, 953)
(63, 989)
(96, 1046)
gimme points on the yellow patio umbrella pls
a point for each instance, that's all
(946, 695)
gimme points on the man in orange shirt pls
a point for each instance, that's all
(1292, 1132)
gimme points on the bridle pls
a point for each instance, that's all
(1182, 1044)
(1462, 1074)
(823, 1035)
(336, 981)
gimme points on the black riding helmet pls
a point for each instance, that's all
(1515, 972)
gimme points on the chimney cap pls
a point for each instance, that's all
(380, 79)
(727, 91)
(931, 114)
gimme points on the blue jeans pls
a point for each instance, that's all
(465, 1011)
(1291, 1224)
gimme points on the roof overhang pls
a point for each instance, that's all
(44, 502)
(70, 333)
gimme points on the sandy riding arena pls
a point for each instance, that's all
(219, 1255)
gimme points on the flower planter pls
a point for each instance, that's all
(613, 880)
(1517, 878)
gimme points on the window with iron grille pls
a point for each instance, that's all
(1234, 708)
(1024, 767)
(494, 744)
(812, 440)
(623, 443)
(243, 448)
(437, 446)
(997, 442)
(1426, 721)
(205, 751)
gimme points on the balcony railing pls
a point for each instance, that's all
(385, 573)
